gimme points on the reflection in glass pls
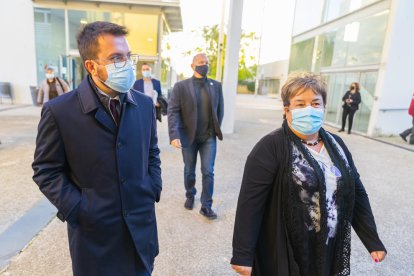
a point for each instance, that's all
(357, 43)
(77, 19)
(336, 8)
(338, 84)
(50, 41)
(301, 55)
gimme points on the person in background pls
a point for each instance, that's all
(51, 87)
(409, 131)
(152, 88)
(98, 164)
(195, 113)
(148, 85)
(300, 195)
(351, 100)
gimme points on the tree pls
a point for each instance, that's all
(247, 63)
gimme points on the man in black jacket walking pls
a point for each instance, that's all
(195, 113)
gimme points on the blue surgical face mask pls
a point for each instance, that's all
(120, 79)
(307, 120)
(146, 74)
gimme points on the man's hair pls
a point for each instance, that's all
(145, 63)
(298, 82)
(88, 37)
(198, 55)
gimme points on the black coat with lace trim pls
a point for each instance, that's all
(260, 237)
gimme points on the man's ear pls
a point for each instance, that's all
(90, 67)
(193, 66)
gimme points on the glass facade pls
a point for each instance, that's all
(353, 45)
(338, 84)
(336, 8)
(50, 41)
(50, 35)
(308, 15)
(304, 50)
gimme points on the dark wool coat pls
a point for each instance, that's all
(182, 110)
(102, 179)
(260, 239)
(356, 100)
(156, 84)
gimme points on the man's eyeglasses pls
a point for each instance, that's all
(120, 61)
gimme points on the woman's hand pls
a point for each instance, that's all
(242, 270)
(378, 256)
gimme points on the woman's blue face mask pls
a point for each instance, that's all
(307, 120)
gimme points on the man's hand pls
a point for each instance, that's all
(157, 104)
(378, 256)
(242, 270)
(176, 143)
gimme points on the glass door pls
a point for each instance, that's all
(76, 71)
(338, 84)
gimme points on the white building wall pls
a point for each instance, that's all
(17, 49)
(396, 78)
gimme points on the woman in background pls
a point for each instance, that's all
(51, 87)
(351, 101)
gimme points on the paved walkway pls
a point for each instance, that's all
(189, 244)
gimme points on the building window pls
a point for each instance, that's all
(301, 55)
(77, 19)
(336, 8)
(50, 40)
(338, 84)
(357, 43)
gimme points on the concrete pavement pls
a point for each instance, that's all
(189, 244)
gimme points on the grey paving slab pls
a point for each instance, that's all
(18, 193)
(20, 233)
(191, 245)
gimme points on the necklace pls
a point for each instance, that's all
(311, 143)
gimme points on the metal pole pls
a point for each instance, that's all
(220, 43)
(231, 64)
(256, 90)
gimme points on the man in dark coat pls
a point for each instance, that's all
(97, 160)
(148, 85)
(195, 113)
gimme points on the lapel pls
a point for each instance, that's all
(128, 102)
(90, 102)
(192, 93)
(105, 120)
(210, 89)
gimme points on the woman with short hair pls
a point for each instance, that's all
(300, 195)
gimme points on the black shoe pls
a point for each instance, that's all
(341, 130)
(208, 213)
(349, 132)
(189, 203)
(403, 137)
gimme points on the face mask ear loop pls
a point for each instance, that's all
(97, 74)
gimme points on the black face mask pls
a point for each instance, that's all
(202, 69)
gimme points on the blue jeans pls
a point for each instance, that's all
(207, 151)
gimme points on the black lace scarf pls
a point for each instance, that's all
(308, 249)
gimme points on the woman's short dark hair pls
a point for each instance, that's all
(88, 37)
(298, 81)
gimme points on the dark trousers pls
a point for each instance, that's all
(348, 112)
(207, 151)
(409, 131)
